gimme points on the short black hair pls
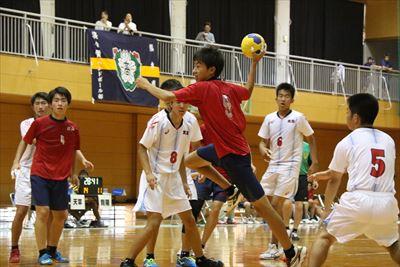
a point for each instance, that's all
(207, 23)
(211, 57)
(171, 85)
(41, 95)
(287, 87)
(366, 106)
(61, 91)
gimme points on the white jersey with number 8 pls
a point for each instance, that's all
(368, 156)
(166, 145)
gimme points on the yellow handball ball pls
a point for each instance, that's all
(253, 43)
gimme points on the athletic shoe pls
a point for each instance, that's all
(83, 223)
(150, 263)
(128, 263)
(230, 221)
(98, 224)
(288, 231)
(209, 263)
(294, 236)
(185, 262)
(69, 224)
(45, 259)
(14, 256)
(272, 253)
(299, 257)
(59, 258)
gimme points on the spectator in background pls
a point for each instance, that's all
(103, 24)
(90, 204)
(370, 62)
(127, 26)
(386, 65)
(206, 35)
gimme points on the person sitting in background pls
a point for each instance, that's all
(206, 35)
(127, 26)
(90, 204)
(370, 62)
(103, 24)
(386, 65)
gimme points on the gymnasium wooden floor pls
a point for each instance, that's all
(237, 245)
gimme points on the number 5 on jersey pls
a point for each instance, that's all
(379, 166)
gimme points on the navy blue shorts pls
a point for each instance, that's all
(53, 194)
(210, 190)
(239, 171)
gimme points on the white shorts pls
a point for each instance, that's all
(373, 214)
(23, 187)
(282, 184)
(168, 198)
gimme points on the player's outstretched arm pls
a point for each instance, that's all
(145, 162)
(20, 150)
(334, 178)
(164, 95)
(253, 70)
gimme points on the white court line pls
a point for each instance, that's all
(371, 253)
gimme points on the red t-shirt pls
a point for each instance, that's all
(56, 143)
(219, 106)
(206, 141)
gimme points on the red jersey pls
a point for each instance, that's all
(206, 141)
(219, 106)
(56, 143)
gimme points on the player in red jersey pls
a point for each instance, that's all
(219, 106)
(57, 145)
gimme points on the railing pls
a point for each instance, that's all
(63, 39)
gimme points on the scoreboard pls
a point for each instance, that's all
(90, 186)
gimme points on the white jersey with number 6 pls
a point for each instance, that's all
(368, 156)
(286, 140)
(166, 145)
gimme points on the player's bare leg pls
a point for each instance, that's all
(152, 226)
(192, 232)
(57, 226)
(151, 244)
(212, 221)
(42, 217)
(274, 220)
(195, 162)
(298, 214)
(277, 204)
(17, 223)
(320, 248)
(394, 251)
(287, 210)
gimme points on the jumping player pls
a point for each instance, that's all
(219, 106)
(162, 148)
(369, 206)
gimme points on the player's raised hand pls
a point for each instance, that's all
(142, 83)
(258, 56)
(151, 180)
(16, 166)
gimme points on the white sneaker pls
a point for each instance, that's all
(298, 259)
(294, 236)
(271, 253)
(288, 231)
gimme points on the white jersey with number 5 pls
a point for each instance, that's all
(166, 145)
(286, 140)
(368, 156)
